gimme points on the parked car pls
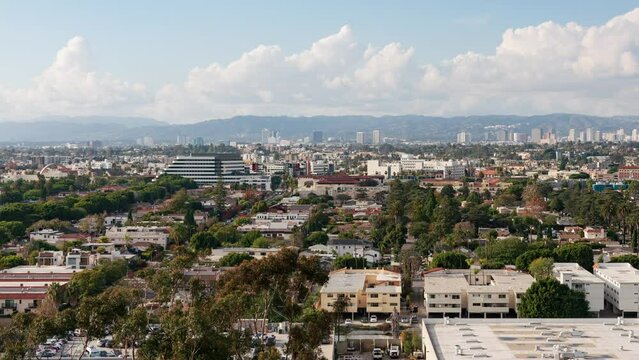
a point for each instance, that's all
(418, 354)
(414, 319)
(393, 351)
(404, 320)
(373, 318)
(348, 322)
(378, 354)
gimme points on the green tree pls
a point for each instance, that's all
(316, 237)
(203, 240)
(541, 268)
(234, 259)
(450, 260)
(548, 298)
(580, 253)
(261, 242)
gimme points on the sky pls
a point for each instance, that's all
(187, 61)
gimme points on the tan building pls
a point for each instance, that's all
(459, 292)
(369, 290)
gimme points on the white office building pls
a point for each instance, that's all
(359, 137)
(621, 285)
(209, 169)
(377, 137)
(578, 278)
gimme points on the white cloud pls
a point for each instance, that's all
(69, 87)
(549, 67)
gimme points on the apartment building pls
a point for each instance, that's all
(138, 236)
(621, 288)
(22, 288)
(368, 290)
(459, 292)
(48, 235)
(358, 248)
(578, 278)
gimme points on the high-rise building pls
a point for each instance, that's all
(209, 169)
(500, 135)
(148, 141)
(589, 135)
(535, 135)
(635, 135)
(463, 137)
(572, 135)
(266, 133)
(377, 137)
(318, 137)
(359, 137)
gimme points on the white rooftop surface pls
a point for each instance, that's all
(510, 339)
(620, 272)
(345, 283)
(457, 280)
(578, 273)
(384, 289)
(34, 269)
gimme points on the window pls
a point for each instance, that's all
(431, 296)
(476, 304)
(393, 295)
(456, 297)
(373, 296)
(373, 304)
(502, 296)
(329, 295)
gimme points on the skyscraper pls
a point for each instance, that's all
(359, 137)
(535, 135)
(377, 137)
(463, 137)
(318, 136)
(572, 135)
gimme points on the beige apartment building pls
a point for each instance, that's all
(458, 292)
(369, 290)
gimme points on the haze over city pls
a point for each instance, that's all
(327, 180)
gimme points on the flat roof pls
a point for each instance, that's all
(578, 273)
(620, 272)
(34, 269)
(457, 280)
(510, 339)
(345, 283)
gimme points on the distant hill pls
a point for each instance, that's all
(248, 128)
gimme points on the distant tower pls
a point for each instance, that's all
(463, 138)
(360, 137)
(318, 137)
(572, 135)
(535, 135)
(377, 137)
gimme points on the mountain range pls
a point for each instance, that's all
(249, 128)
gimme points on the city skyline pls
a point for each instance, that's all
(542, 62)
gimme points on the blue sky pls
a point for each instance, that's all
(158, 43)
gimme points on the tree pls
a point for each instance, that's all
(523, 261)
(234, 259)
(548, 298)
(316, 237)
(339, 307)
(628, 258)
(219, 198)
(541, 268)
(450, 260)
(179, 234)
(580, 253)
(259, 207)
(203, 240)
(10, 261)
(261, 242)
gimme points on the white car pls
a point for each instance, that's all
(393, 351)
(373, 318)
(348, 322)
(378, 354)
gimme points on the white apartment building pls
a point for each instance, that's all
(49, 235)
(388, 170)
(621, 288)
(138, 236)
(356, 247)
(578, 278)
(455, 292)
(368, 290)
